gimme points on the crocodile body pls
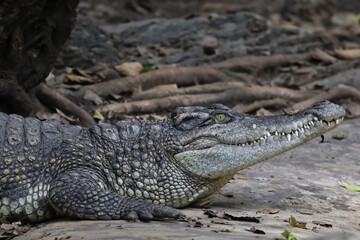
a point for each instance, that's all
(139, 170)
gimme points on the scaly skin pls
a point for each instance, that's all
(139, 170)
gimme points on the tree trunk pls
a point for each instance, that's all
(32, 34)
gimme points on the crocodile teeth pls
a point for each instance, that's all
(309, 125)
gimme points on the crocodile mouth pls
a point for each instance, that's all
(315, 125)
(310, 126)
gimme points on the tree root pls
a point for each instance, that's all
(218, 88)
(182, 76)
(339, 92)
(55, 99)
(253, 64)
(233, 91)
(276, 102)
(160, 92)
(13, 98)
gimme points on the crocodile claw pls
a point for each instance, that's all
(151, 212)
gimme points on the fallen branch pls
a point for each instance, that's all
(182, 76)
(339, 92)
(55, 99)
(234, 93)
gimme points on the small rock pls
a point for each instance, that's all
(305, 211)
(323, 224)
(209, 45)
(339, 136)
(343, 19)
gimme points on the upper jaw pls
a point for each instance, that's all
(250, 130)
(296, 131)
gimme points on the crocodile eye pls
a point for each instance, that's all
(220, 117)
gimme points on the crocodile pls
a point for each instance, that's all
(142, 169)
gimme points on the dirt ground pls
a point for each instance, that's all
(304, 183)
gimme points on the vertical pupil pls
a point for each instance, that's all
(221, 117)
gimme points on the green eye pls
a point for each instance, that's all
(220, 117)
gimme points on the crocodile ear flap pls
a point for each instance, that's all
(188, 120)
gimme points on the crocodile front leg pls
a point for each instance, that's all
(78, 194)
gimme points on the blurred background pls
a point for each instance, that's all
(115, 60)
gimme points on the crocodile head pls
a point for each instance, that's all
(216, 142)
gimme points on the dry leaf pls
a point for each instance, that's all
(293, 222)
(269, 211)
(8, 231)
(63, 115)
(212, 213)
(81, 72)
(351, 187)
(98, 115)
(131, 69)
(242, 217)
(91, 96)
(80, 79)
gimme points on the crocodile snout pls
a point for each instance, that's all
(326, 110)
